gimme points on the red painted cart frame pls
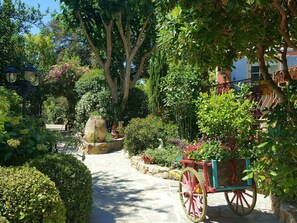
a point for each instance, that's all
(199, 178)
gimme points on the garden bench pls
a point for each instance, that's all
(58, 127)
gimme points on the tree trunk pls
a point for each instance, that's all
(130, 54)
(266, 76)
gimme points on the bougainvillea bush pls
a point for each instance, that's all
(61, 80)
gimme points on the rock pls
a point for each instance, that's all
(95, 129)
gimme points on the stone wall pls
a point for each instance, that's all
(102, 147)
(155, 170)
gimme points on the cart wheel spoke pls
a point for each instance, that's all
(242, 201)
(193, 194)
(245, 200)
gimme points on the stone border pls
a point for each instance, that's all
(288, 213)
(155, 170)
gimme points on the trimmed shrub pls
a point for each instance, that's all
(27, 195)
(143, 133)
(91, 82)
(74, 181)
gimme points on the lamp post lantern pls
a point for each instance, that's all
(29, 77)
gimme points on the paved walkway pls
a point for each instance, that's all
(124, 195)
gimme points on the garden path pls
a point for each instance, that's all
(124, 195)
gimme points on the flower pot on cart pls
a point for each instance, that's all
(199, 178)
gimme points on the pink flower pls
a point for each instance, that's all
(58, 74)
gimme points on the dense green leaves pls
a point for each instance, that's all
(15, 19)
(215, 33)
(276, 169)
(27, 195)
(121, 35)
(179, 90)
(73, 180)
(22, 139)
(143, 133)
(227, 117)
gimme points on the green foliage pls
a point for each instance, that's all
(180, 88)
(94, 97)
(40, 51)
(165, 156)
(3, 220)
(137, 105)
(276, 169)
(61, 80)
(100, 102)
(158, 69)
(228, 117)
(23, 139)
(16, 18)
(10, 101)
(209, 150)
(217, 33)
(73, 180)
(55, 110)
(128, 27)
(4, 109)
(27, 195)
(91, 82)
(143, 133)
(68, 42)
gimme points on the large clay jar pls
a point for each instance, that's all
(95, 129)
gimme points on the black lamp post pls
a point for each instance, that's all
(29, 77)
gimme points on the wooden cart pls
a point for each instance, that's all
(199, 178)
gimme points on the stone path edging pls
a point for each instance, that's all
(288, 213)
(154, 170)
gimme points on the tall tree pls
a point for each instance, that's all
(121, 36)
(15, 19)
(68, 41)
(215, 33)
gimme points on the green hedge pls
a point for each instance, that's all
(74, 181)
(143, 133)
(27, 195)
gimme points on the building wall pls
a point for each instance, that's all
(292, 60)
(243, 68)
(240, 70)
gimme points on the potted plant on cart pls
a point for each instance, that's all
(216, 162)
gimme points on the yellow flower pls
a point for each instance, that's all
(14, 143)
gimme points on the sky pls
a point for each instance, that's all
(44, 5)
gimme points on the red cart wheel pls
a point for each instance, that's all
(192, 194)
(242, 201)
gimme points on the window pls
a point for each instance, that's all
(256, 73)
